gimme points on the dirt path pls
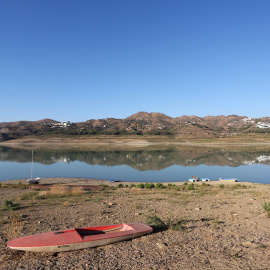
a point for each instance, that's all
(219, 226)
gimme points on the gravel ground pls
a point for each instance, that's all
(222, 226)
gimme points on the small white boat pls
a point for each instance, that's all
(33, 180)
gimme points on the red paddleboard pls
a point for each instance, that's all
(79, 238)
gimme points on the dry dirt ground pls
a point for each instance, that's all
(219, 226)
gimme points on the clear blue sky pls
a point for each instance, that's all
(89, 59)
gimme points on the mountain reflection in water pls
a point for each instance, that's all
(144, 159)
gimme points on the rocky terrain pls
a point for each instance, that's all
(208, 225)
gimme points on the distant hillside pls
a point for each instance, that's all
(141, 123)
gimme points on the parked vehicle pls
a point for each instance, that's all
(194, 179)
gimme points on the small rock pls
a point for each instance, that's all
(161, 245)
(110, 203)
(249, 244)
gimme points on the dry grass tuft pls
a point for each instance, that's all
(266, 208)
(65, 191)
(43, 193)
(77, 191)
(59, 190)
(14, 228)
(66, 203)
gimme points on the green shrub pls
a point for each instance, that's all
(178, 226)
(149, 185)
(221, 186)
(266, 208)
(191, 187)
(156, 222)
(132, 186)
(160, 186)
(120, 185)
(171, 186)
(141, 185)
(9, 205)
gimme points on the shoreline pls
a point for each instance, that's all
(91, 181)
(146, 143)
(134, 141)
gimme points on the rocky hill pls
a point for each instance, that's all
(141, 123)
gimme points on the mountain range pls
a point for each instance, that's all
(141, 123)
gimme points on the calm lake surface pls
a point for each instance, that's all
(138, 164)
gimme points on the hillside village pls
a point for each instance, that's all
(141, 124)
(263, 125)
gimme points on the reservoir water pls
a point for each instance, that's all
(146, 164)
